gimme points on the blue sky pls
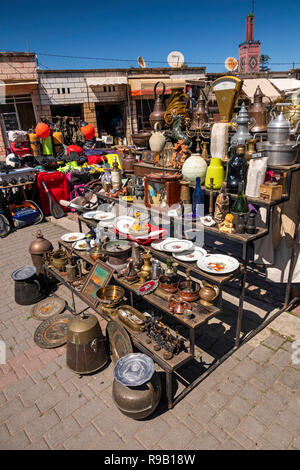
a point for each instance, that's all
(205, 32)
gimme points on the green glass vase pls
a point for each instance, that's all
(215, 171)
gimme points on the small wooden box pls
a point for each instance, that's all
(162, 191)
(269, 192)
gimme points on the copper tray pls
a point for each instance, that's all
(47, 308)
(52, 333)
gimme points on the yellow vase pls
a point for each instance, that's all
(215, 171)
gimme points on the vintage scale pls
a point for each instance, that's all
(226, 90)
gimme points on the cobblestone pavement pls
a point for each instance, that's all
(252, 401)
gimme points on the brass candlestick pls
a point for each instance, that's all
(211, 197)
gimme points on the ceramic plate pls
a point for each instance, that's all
(104, 215)
(218, 264)
(123, 222)
(72, 237)
(89, 215)
(81, 245)
(191, 255)
(156, 244)
(176, 246)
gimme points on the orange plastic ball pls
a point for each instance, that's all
(88, 131)
(42, 130)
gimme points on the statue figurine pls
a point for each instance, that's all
(227, 225)
(180, 153)
(222, 205)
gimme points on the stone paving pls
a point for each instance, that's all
(252, 401)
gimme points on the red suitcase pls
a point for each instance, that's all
(57, 185)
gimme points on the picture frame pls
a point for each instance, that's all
(99, 276)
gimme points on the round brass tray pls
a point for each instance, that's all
(119, 340)
(47, 308)
(52, 333)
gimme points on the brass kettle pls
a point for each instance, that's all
(208, 293)
(258, 111)
(158, 112)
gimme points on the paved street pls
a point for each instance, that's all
(252, 401)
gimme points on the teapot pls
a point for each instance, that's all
(208, 293)
(279, 130)
(157, 140)
(242, 135)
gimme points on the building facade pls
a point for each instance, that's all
(19, 94)
(249, 51)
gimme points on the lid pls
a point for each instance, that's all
(23, 273)
(279, 123)
(40, 245)
(82, 324)
(134, 369)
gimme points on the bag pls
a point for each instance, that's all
(58, 187)
(27, 213)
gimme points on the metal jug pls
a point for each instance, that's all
(158, 112)
(258, 111)
(28, 290)
(39, 249)
(86, 349)
(245, 124)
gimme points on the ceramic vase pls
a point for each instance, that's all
(215, 171)
(193, 167)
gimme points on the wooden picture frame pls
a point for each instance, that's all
(99, 276)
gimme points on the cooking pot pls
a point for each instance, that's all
(281, 154)
(28, 290)
(279, 130)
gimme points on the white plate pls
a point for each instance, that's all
(191, 255)
(81, 245)
(104, 215)
(73, 237)
(123, 223)
(176, 246)
(89, 215)
(230, 264)
(156, 244)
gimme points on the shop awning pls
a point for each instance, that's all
(100, 81)
(24, 82)
(145, 86)
(285, 84)
(250, 85)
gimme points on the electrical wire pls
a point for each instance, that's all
(149, 61)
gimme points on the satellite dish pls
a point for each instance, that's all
(141, 62)
(231, 64)
(175, 59)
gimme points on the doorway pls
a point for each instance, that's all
(111, 119)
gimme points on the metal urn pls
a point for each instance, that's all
(86, 345)
(136, 387)
(245, 124)
(38, 250)
(158, 112)
(258, 111)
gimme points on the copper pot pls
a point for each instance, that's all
(169, 283)
(158, 112)
(258, 111)
(142, 138)
(188, 290)
(128, 161)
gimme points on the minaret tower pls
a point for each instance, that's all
(249, 51)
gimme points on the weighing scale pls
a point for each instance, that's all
(226, 90)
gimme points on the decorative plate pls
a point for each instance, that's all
(89, 215)
(156, 244)
(147, 287)
(104, 215)
(48, 308)
(73, 237)
(134, 369)
(123, 222)
(191, 255)
(176, 246)
(81, 244)
(52, 333)
(218, 264)
(119, 340)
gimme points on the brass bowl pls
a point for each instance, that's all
(169, 283)
(188, 290)
(110, 295)
(96, 253)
